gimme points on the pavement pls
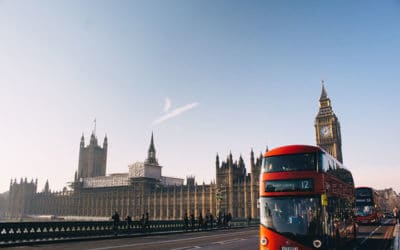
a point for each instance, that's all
(396, 238)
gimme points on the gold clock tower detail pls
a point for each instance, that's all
(327, 127)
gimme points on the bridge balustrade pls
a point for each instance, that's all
(23, 233)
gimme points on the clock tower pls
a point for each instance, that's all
(327, 127)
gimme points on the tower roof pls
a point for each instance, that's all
(325, 108)
(93, 139)
(151, 154)
(324, 95)
(152, 148)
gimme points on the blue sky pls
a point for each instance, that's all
(242, 74)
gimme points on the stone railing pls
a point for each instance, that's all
(25, 233)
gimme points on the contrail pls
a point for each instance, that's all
(175, 112)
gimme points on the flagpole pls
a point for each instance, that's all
(94, 130)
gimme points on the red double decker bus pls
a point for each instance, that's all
(306, 200)
(367, 206)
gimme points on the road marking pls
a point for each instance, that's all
(229, 241)
(366, 238)
(396, 236)
(162, 242)
(146, 243)
(187, 248)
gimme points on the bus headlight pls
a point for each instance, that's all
(317, 243)
(263, 241)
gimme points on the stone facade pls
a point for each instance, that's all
(142, 190)
(21, 196)
(387, 199)
(327, 127)
(93, 158)
(3, 205)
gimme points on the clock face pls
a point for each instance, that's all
(325, 131)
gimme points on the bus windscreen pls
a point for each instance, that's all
(292, 162)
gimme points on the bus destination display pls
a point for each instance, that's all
(289, 185)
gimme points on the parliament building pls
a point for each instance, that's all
(143, 189)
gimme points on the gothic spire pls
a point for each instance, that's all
(105, 142)
(241, 161)
(93, 138)
(82, 141)
(46, 187)
(151, 148)
(324, 95)
(325, 108)
(151, 154)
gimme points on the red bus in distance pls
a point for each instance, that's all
(306, 200)
(367, 209)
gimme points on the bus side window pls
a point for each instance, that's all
(324, 164)
(331, 166)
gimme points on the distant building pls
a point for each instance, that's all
(21, 196)
(3, 205)
(387, 199)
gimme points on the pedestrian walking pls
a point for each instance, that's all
(248, 220)
(207, 220)
(146, 222)
(200, 222)
(229, 220)
(128, 221)
(115, 219)
(192, 221)
(185, 221)
(142, 222)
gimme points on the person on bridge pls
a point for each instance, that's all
(128, 220)
(143, 223)
(192, 220)
(211, 221)
(219, 221)
(229, 220)
(200, 225)
(115, 219)
(207, 220)
(186, 221)
(146, 222)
